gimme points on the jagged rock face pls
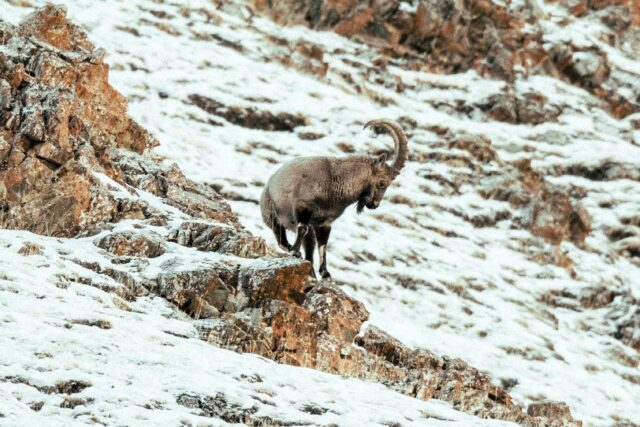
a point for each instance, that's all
(457, 35)
(57, 104)
(321, 329)
(64, 127)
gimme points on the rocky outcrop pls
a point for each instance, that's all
(218, 407)
(59, 105)
(322, 329)
(67, 143)
(549, 409)
(148, 245)
(501, 41)
(454, 36)
(547, 212)
(526, 108)
(249, 117)
(622, 309)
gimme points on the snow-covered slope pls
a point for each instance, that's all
(427, 275)
(86, 357)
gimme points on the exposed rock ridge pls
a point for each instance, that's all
(70, 157)
(503, 41)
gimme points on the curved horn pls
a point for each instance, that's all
(401, 152)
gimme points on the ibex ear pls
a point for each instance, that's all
(380, 160)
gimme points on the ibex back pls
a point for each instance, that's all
(307, 194)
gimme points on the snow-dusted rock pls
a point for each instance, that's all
(147, 245)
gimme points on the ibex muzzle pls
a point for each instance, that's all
(307, 194)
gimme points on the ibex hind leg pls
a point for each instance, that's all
(302, 218)
(281, 235)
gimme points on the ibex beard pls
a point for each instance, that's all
(308, 193)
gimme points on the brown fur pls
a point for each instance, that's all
(309, 193)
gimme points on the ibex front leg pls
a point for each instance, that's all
(309, 244)
(322, 235)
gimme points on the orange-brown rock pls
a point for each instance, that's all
(56, 103)
(65, 132)
(635, 12)
(322, 328)
(50, 25)
(547, 212)
(454, 36)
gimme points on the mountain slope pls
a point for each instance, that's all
(439, 265)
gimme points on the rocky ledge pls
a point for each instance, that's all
(72, 163)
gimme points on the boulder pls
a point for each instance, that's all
(547, 211)
(204, 292)
(219, 238)
(550, 409)
(147, 244)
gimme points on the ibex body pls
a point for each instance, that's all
(307, 194)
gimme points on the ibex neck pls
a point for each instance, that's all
(350, 178)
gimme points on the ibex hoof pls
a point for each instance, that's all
(284, 248)
(296, 254)
(325, 274)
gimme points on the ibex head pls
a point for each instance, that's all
(384, 173)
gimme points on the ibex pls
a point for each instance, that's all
(307, 194)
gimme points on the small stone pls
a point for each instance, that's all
(550, 409)
(5, 95)
(102, 324)
(72, 386)
(36, 406)
(72, 402)
(30, 249)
